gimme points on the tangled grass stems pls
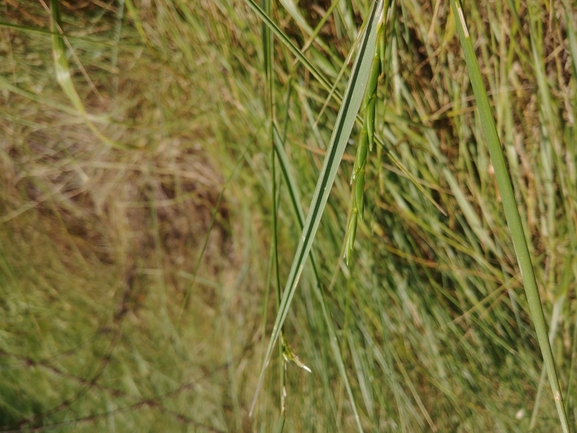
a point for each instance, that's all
(63, 75)
(429, 329)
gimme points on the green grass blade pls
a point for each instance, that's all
(41, 31)
(133, 13)
(320, 25)
(331, 88)
(288, 177)
(268, 50)
(300, 216)
(286, 41)
(341, 133)
(511, 210)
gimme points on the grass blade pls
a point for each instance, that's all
(341, 133)
(511, 210)
(300, 217)
(292, 47)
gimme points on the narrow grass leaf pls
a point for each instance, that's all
(300, 215)
(292, 47)
(341, 133)
(511, 210)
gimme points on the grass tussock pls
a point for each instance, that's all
(138, 258)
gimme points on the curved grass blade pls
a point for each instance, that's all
(511, 210)
(341, 133)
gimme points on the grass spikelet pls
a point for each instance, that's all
(366, 140)
(344, 124)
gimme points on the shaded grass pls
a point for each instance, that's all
(430, 322)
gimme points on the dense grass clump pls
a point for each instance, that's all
(158, 163)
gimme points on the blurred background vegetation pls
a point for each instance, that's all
(136, 265)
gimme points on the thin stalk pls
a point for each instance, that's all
(343, 127)
(511, 210)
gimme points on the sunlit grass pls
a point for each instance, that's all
(135, 276)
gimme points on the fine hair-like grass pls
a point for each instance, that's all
(159, 162)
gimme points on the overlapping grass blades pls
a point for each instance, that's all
(430, 329)
(63, 75)
(343, 126)
(300, 216)
(510, 208)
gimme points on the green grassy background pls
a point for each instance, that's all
(138, 284)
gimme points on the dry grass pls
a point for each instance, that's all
(99, 246)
